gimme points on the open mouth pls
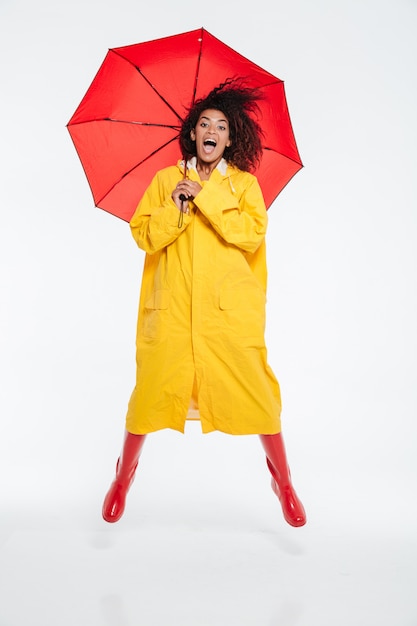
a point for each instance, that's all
(209, 145)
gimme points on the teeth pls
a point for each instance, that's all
(210, 142)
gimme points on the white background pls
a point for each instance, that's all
(203, 542)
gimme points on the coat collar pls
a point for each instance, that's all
(192, 165)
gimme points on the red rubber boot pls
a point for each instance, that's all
(276, 460)
(115, 500)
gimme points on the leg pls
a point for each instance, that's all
(276, 460)
(114, 502)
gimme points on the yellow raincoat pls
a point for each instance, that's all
(201, 316)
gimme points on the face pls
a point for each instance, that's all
(211, 135)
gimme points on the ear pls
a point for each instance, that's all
(192, 134)
(229, 143)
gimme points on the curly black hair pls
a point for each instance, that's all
(239, 104)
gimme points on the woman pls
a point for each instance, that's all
(200, 334)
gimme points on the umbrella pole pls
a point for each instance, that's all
(181, 215)
(182, 197)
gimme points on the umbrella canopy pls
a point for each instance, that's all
(127, 125)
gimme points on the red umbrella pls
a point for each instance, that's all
(127, 125)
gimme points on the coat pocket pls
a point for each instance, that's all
(155, 312)
(244, 313)
(246, 298)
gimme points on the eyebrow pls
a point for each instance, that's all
(221, 119)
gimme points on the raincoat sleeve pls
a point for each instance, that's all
(241, 221)
(154, 224)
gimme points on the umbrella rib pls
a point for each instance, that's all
(111, 119)
(149, 83)
(284, 155)
(134, 167)
(197, 73)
